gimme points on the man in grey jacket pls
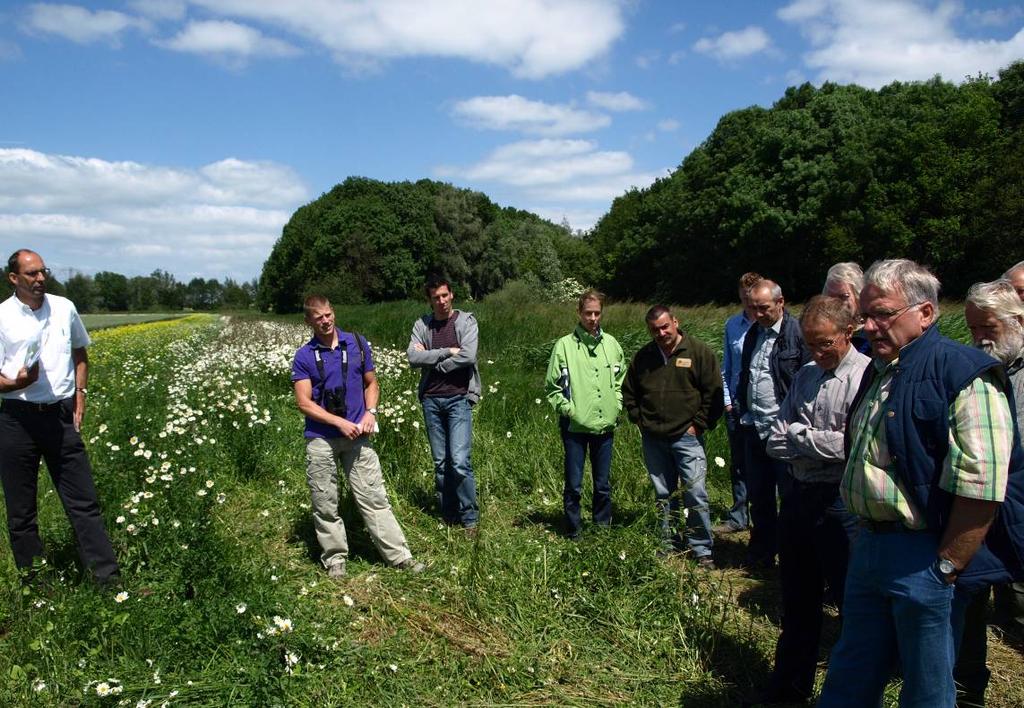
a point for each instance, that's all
(443, 346)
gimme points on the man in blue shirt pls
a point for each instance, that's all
(735, 330)
(336, 389)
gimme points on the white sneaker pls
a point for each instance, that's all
(336, 571)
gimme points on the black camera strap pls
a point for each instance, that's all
(361, 343)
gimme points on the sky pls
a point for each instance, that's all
(182, 134)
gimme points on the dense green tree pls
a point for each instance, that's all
(927, 170)
(112, 292)
(81, 290)
(368, 241)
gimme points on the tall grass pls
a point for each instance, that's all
(198, 457)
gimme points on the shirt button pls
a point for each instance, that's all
(892, 414)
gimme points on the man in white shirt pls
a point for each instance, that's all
(43, 377)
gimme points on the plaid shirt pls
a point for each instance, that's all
(980, 439)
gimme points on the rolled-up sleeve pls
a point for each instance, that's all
(980, 441)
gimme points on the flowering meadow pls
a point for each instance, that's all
(198, 458)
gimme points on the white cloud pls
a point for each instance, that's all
(621, 101)
(219, 220)
(160, 9)
(556, 170)
(875, 42)
(734, 45)
(80, 24)
(669, 125)
(647, 60)
(221, 37)
(532, 38)
(996, 17)
(526, 116)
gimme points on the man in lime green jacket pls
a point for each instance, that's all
(584, 386)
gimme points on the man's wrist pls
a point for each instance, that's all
(82, 390)
(372, 410)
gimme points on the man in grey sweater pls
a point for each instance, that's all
(443, 346)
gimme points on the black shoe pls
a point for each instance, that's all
(727, 528)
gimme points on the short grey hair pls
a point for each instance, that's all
(998, 297)
(916, 283)
(847, 272)
(774, 288)
(1012, 269)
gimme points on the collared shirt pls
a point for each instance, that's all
(980, 441)
(57, 329)
(732, 352)
(762, 406)
(1015, 370)
(304, 367)
(808, 432)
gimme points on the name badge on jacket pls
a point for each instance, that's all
(682, 363)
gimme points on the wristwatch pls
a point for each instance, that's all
(371, 411)
(947, 571)
(83, 391)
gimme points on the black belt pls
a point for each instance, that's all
(886, 526)
(15, 405)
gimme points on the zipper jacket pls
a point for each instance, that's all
(584, 380)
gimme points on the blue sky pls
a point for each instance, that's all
(182, 134)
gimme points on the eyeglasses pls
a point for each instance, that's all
(34, 273)
(886, 317)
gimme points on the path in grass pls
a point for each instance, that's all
(107, 320)
(198, 459)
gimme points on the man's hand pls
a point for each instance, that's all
(368, 423)
(349, 429)
(26, 377)
(419, 347)
(79, 410)
(453, 350)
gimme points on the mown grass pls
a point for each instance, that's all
(216, 541)
(105, 320)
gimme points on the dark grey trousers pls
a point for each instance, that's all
(28, 433)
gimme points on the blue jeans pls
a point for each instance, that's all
(669, 461)
(449, 423)
(896, 609)
(576, 447)
(737, 515)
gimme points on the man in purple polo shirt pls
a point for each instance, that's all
(336, 389)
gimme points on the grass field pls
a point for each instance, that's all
(103, 321)
(198, 458)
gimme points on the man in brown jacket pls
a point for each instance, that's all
(673, 391)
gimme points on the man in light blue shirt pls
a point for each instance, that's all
(735, 330)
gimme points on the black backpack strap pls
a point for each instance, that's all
(361, 343)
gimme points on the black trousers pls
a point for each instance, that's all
(27, 434)
(767, 479)
(815, 531)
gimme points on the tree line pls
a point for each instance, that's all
(113, 292)
(932, 171)
(367, 241)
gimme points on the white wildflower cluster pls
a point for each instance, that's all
(110, 687)
(278, 626)
(566, 290)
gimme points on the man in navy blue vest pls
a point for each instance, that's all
(773, 351)
(931, 447)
